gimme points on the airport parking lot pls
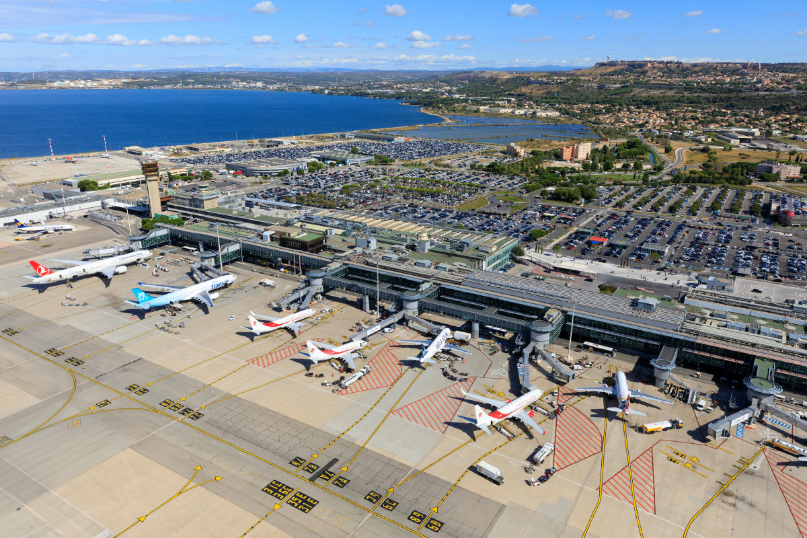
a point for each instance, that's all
(400, 151)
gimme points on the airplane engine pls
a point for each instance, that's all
(119, 270)
(214, 295)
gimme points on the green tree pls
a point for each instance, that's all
(556, 248)
(518, 251)
(668, 149)
(756, 209)
(537, 234)
(283, 173)
(655, 256)
(354, 150)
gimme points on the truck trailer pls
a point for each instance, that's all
(663, 426)
(490, 472)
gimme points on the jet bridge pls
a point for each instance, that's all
(393, 319)
(559, 369)
(203, 271)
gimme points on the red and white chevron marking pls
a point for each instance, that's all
(437, 409)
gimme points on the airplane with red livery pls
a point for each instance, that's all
(516, 409)
(270, 324)
(346, 352)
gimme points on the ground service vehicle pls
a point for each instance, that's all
(597, 348)
(663, 426)
(542, 453)
(490, 472)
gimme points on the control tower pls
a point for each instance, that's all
(152, 172)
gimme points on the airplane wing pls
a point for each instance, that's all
(161, 287)
(414, 342)
(267, 318)
(349, 360)
(323, 345)
(107, 271)
(70, 262)
(458, 349)
(204, 298)
(525, 417)
(604, 389)
(640, 396)
(481, 399)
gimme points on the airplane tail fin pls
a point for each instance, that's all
(253, 324)
(41, 270)
(19, 224)
(628, 411)
(141, 295)
(483, 420)
(314, 353)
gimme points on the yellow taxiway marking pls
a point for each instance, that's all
(347, 466)
(602, 468)
(630, 476)
(182, 490)
(718, 492)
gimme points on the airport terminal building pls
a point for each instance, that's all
(702, 331)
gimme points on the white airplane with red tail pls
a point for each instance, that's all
(346, 352)
(270, 324)
(510, 409)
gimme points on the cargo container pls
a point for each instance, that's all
(490, 472)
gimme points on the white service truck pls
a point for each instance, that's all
(542, 453)
(490, 472)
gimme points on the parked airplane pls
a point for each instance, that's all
(71, 159)
(430, 349)
(290, 322)
(509, 409)
(106, 267)
(623, 394)
(33, 163)
(346, 352)
(196, 292)
(43, 228)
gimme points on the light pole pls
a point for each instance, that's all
(218, 240)
(571, 330)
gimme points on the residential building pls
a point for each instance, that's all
(582, 151)
(566, 153)
(783, 171)
(514, 149)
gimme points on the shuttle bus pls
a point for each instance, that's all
(192, 250)
(597, 348)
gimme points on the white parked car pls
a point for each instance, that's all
(232, 318)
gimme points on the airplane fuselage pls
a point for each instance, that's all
(622, 391)
(90, 268)
(268, 326)
(515, 406)
(436, 345)
(189, 293)
(342, 350)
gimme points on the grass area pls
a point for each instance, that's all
(518, 207)
(510, 198)
(724, 157)
(476, 203)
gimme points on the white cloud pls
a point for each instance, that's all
(343, 45)
(787, 15)
(122, 40)
(301, 38)
(368, 23)
(637, 36)
(466, 46)
(363, 10)
(417, 35)
(64, 39)
(379, 45)
(266, 8)
(262, 40)
(539, 39)
(799, 33)
(619, 14)
(6, 38)
(522, 10)
(458, 37)
(431, 58)
(174, 40)
(64, 55)
(137, 66)
(395, 10)
(425, 44)
(693, 14)
(714, 31)
(579, 17)
(587, 38)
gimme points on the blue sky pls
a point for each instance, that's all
(414, 34)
